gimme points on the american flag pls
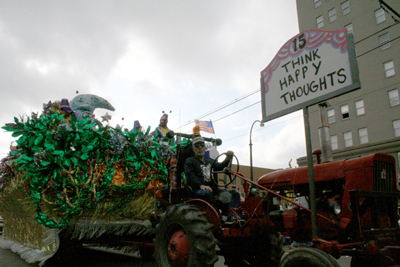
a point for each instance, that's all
(205, 126)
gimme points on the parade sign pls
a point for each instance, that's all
(313, 66)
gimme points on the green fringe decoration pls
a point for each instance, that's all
(68, 164)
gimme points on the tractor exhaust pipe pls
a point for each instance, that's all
(324, 135)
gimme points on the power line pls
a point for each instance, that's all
(369, 36)
(235, 112)
(377, 47)
(229, 104)
(261, 129)
(238, 111)
(222, 107)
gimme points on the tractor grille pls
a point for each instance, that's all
(383, 176)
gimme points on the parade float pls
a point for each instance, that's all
(68, 175)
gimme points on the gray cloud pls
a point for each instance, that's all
(206, 51)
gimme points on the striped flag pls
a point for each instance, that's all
(205, 126)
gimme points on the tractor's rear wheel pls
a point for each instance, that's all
(310, 257)
(184, 238)
(264, 250)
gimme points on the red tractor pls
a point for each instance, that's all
(190, 231)
(357, 210)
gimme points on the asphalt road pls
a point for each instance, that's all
(89, 258)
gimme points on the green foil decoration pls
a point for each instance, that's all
(69, 164)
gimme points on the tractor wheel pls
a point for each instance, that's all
(184, 238)
(259, 251)
(308, 257)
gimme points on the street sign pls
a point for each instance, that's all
(313, 66)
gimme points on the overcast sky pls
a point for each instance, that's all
(187, 57)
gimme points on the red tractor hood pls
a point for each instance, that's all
(322, 172)
(296, 176)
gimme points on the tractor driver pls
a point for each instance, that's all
(197, 172)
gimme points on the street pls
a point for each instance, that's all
(90, 257)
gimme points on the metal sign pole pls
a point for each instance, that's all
(314, 227)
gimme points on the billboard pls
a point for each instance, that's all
(313, 66)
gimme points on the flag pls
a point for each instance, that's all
(205, 126)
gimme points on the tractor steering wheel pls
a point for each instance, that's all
(226, 170)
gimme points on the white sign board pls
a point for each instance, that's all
(313, 66)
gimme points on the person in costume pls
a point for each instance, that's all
(198, 175)
(137, 126)
(160, 133)
(67, 111)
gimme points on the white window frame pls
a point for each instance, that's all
(384, 41)
(363, 135)
(380, 15)
(348, 139)
(330, 114)
(317, 3)
(344, 110)
(360, 109)
(334, 142)
(320, 22)
(345, 7)
(396, 128)
(332, 14)
(349, 28)
(389, 68)
(394, 97)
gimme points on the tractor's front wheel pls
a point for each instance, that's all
(184, 238)
(310, 257)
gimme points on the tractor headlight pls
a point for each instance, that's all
(254, 191)
(336, 207)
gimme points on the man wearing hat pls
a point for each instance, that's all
(198, 175)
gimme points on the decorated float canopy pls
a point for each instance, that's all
(313, 66)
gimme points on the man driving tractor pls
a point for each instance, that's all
(198, 175)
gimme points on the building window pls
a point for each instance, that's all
(331, 116)
(384, 40)
(348, 139)
(380, 15)
(360, 107)
(317, 3)
(345, 112)
(345, 8)
(396, 127)
(394, 97)
(332, 15)
(389, 69)
(334, 142)
(363, 135)
(320, 22)
(349, 28)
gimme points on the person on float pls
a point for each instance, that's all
(198, 176)
(160, 133)
(137, 126)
